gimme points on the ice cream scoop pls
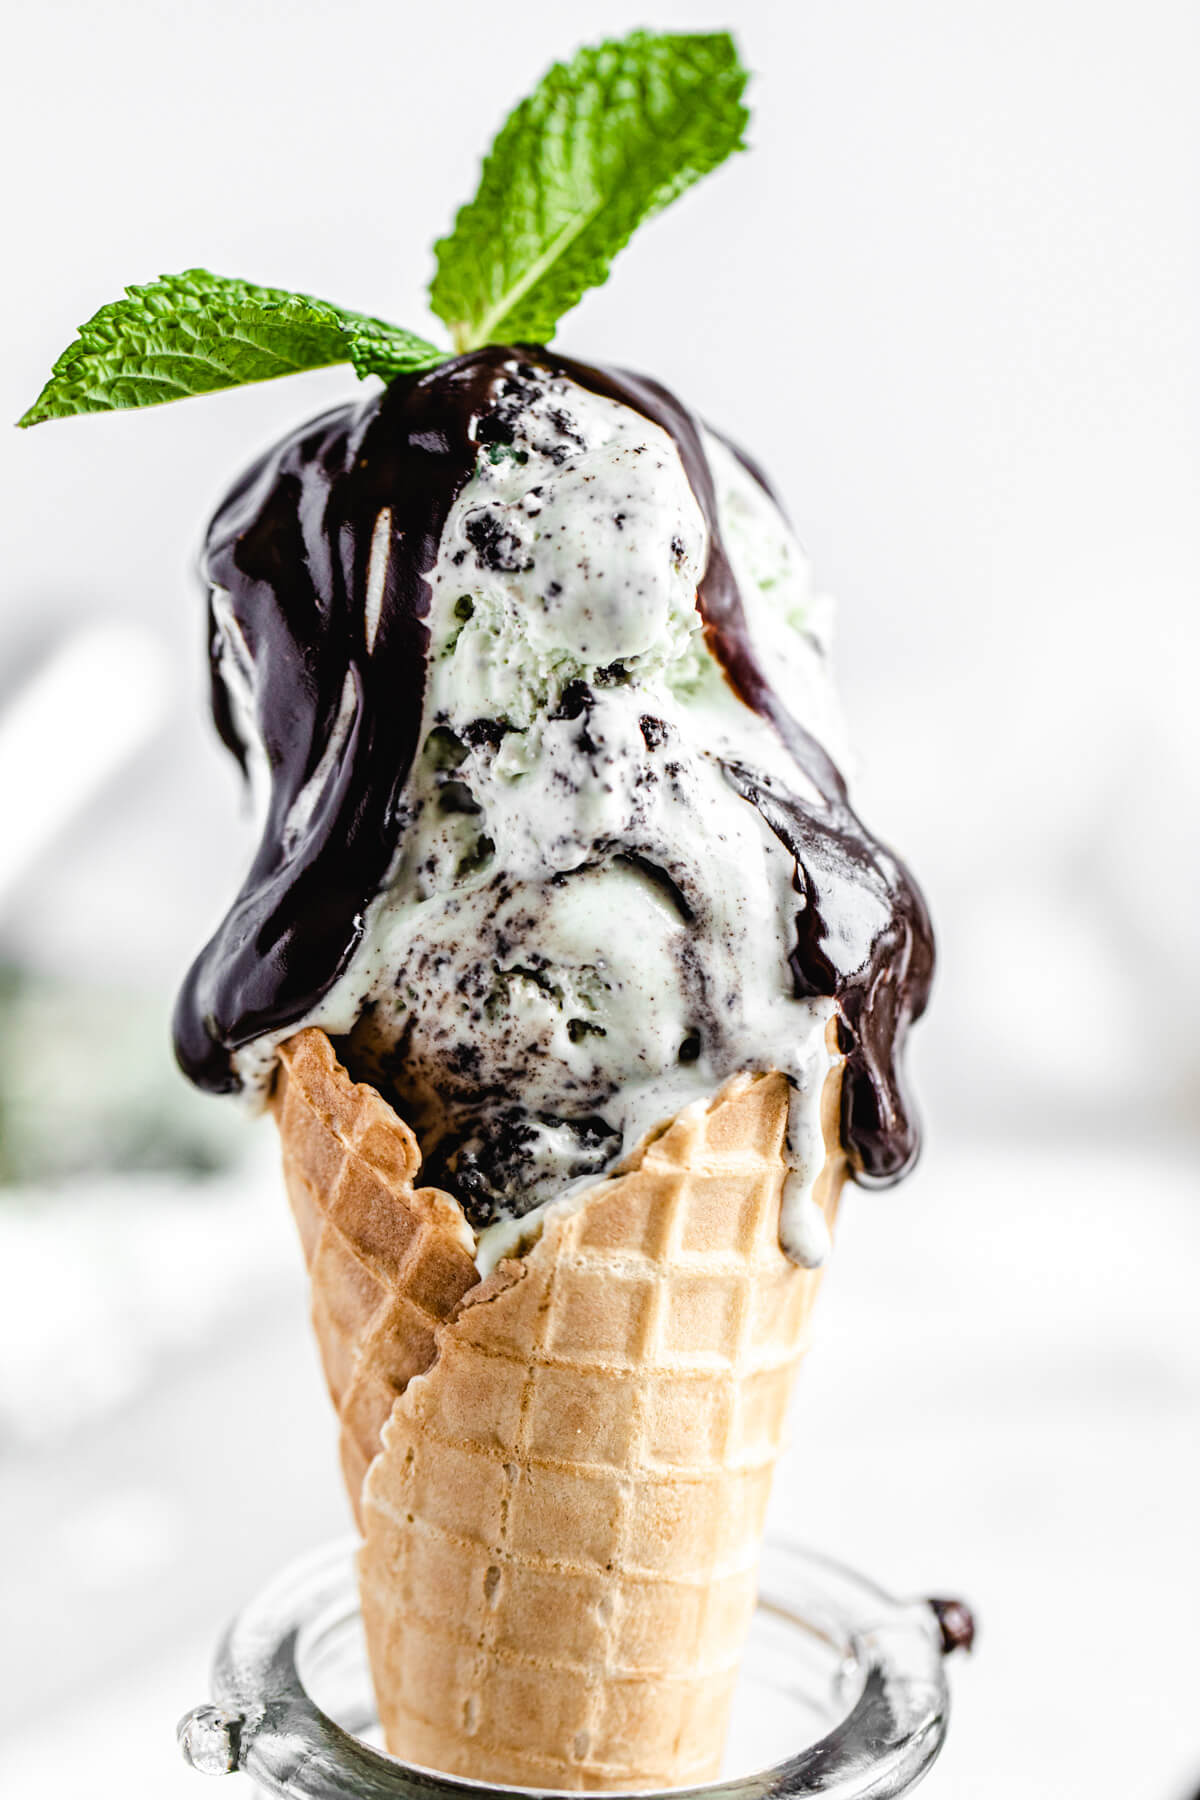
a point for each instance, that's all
(527, 673)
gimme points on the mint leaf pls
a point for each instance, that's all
(603, 142)
(194, 333)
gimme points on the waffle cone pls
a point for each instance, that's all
(388, 1262)
(560, 1472)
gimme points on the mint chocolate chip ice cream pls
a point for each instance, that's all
(527, 676)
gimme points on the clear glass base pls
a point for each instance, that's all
(842, 1691)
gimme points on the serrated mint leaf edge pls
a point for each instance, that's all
(116, 361)
(730, 78)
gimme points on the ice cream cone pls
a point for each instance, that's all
(388, 1262)
(562, 1524)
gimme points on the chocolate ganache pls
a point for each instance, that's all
(291, 550)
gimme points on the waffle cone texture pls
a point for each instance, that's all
(560, 1473)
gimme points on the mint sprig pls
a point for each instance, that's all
(196, 333)
(603, 142)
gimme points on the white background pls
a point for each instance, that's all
(950, 300)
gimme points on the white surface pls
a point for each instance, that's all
(121, 1277)
(1002, 1404)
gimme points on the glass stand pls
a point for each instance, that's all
(842, 1691)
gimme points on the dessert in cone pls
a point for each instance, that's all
(561, 1471)
(527, 673)
(551, 850)
(531, 689)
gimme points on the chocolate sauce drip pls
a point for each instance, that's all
(956, 1624)
(863, 936)
(292, 545)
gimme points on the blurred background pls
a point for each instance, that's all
(951, 301)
